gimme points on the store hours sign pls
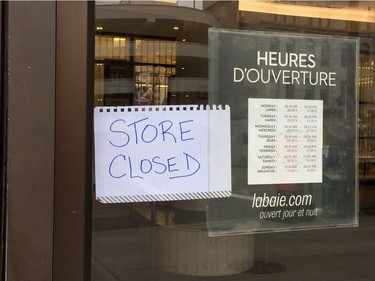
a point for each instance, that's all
(305, 62)
(285, 141)
(293, 101)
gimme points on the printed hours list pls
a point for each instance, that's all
(285, 140)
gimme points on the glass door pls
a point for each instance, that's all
(163, 59)
(167, 64)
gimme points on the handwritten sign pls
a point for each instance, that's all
(161, 153)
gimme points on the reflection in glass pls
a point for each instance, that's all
(154, 64)
(150, 79)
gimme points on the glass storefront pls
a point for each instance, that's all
(161, 54)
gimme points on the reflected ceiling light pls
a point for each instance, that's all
(117, 39)
(342, 13)
(99, 28)
(183, 40)
(175, 27)
(168, 1)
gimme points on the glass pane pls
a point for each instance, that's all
(99, 85)
(287, 156)
(138, 50)
(162, 59)
(163, 52)
(111, 47)
(150, 51)
(157, 51)
(144, 51)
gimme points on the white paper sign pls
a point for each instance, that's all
(285, 141)
(161, 153)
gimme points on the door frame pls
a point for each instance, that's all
(48, 96)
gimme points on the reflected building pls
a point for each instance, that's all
(147, 54)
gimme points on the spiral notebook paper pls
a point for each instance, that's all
(162, 153)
